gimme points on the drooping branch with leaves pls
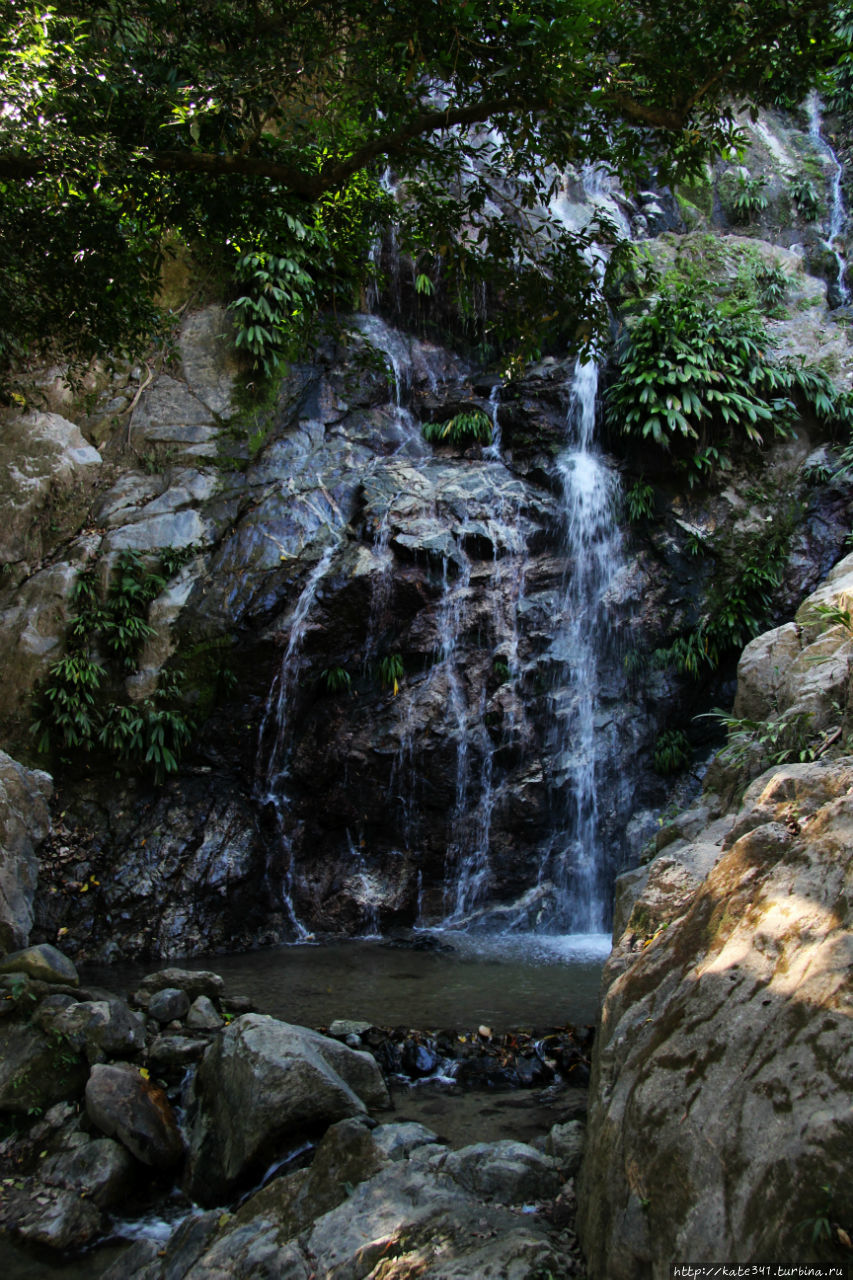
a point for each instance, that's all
(126, 122)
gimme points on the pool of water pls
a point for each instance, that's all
(507, 983)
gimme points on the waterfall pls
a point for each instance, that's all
(593, 552)
(837, 210)
(405, 435)
(275, 755)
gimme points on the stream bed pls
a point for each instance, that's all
(432, 981)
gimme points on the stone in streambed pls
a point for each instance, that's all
(35, 1070)
(43, 963)
(195, 982)
(507, 1171)
(123, 1104)
(263, 1084)
(202, 1015)
(99, 1028)
(169, 1005)
(56, 1219)
(102, 1170)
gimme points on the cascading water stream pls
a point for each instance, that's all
(272, 785)
(593, 550)
(837, 210)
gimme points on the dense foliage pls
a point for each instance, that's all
(261, 131)
(82, 706)
(691, 372)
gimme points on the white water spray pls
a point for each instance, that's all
(837, 210)
(593, 549)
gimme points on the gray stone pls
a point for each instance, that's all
(262, 1084)
(203, 1016)
(40, 454)
(56, 1219)
(565, 1142)
(206, 344)
(24, 823)
(343, 1027)
(725, 1045)
(124, 1105)
(102, 1029)
(102, 1170)
(44, 963)
(398, 1141)
(195, 982)
(36, 1070)
(169, 1004)
(507, 1171)
(176, 1050)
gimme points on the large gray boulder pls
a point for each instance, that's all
(123, 1104)
(724, 1066)
(36, 1069)
(264, 1084)
(44, 963)
(24, 823)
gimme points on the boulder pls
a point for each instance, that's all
(24, 823)
(175, 1050)
(398, 1141)
(263, 1084)
(506, 1171)
(54, 1218)
(36, 1069)
(565, 1142)
(202, 1015)
(123, 1104)
(41, 455)
(723, 1070)
(101, 1169)
(101, 1028)
(195, 982)
(43, 963)
(168, 1005)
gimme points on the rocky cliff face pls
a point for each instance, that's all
(373, 634)
(721, 1123)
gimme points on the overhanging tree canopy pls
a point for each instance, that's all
(233, 121)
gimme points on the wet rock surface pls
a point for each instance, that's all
(321, 795)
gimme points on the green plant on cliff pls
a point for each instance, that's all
(73, 708)
(738, 600)
(391, 672)
(467, 427)
(672, 752)
(697, 378)
(749, 199)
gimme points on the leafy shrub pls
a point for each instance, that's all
(688, 371)
(749, 198)
(278, 296)
(391, 671)
(72, 710)
(760, 743)
(672, 752)
(805, 196)
(336, 679)
(464, 428)
(640, 501)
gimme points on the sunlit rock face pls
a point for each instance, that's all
(721, 1116)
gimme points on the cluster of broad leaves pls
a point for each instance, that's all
(691, 372)
(125, 124)
(74, 710)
